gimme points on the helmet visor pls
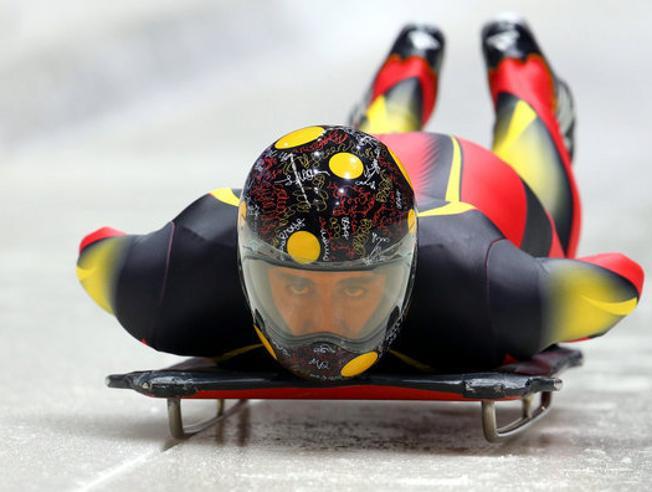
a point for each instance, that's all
(351, 307)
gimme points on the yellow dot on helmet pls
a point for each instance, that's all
(412, 221)
(266, 343)
(303, 247)
(359, 365)
(400, 166)
(346, 165)
(299, 137)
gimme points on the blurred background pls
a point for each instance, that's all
(121, 113)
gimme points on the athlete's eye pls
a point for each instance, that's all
(298, 288)
(354, 291)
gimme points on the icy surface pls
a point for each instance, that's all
(123, 114)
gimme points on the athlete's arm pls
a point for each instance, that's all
(477, 297)
(536, 302)
(176, 289)
(101, 254)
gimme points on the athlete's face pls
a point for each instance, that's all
(335, 302)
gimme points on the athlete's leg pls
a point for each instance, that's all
(403, 93)
(534, 124)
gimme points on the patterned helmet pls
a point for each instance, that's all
(327, 245)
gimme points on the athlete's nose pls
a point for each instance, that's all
(329, 316)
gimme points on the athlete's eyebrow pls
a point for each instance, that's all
(290, 276)
(367, 279)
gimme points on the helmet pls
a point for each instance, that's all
(327, 250)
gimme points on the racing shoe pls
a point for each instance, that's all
(403, 93)
(509, 37)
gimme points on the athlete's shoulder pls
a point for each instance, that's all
(220, 200)
(456, 232)
(212, 215)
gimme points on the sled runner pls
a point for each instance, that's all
(200, 378)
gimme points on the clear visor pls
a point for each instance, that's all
(349, 304)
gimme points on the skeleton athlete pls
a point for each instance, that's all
(378, 239)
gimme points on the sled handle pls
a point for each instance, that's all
(529, 416)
